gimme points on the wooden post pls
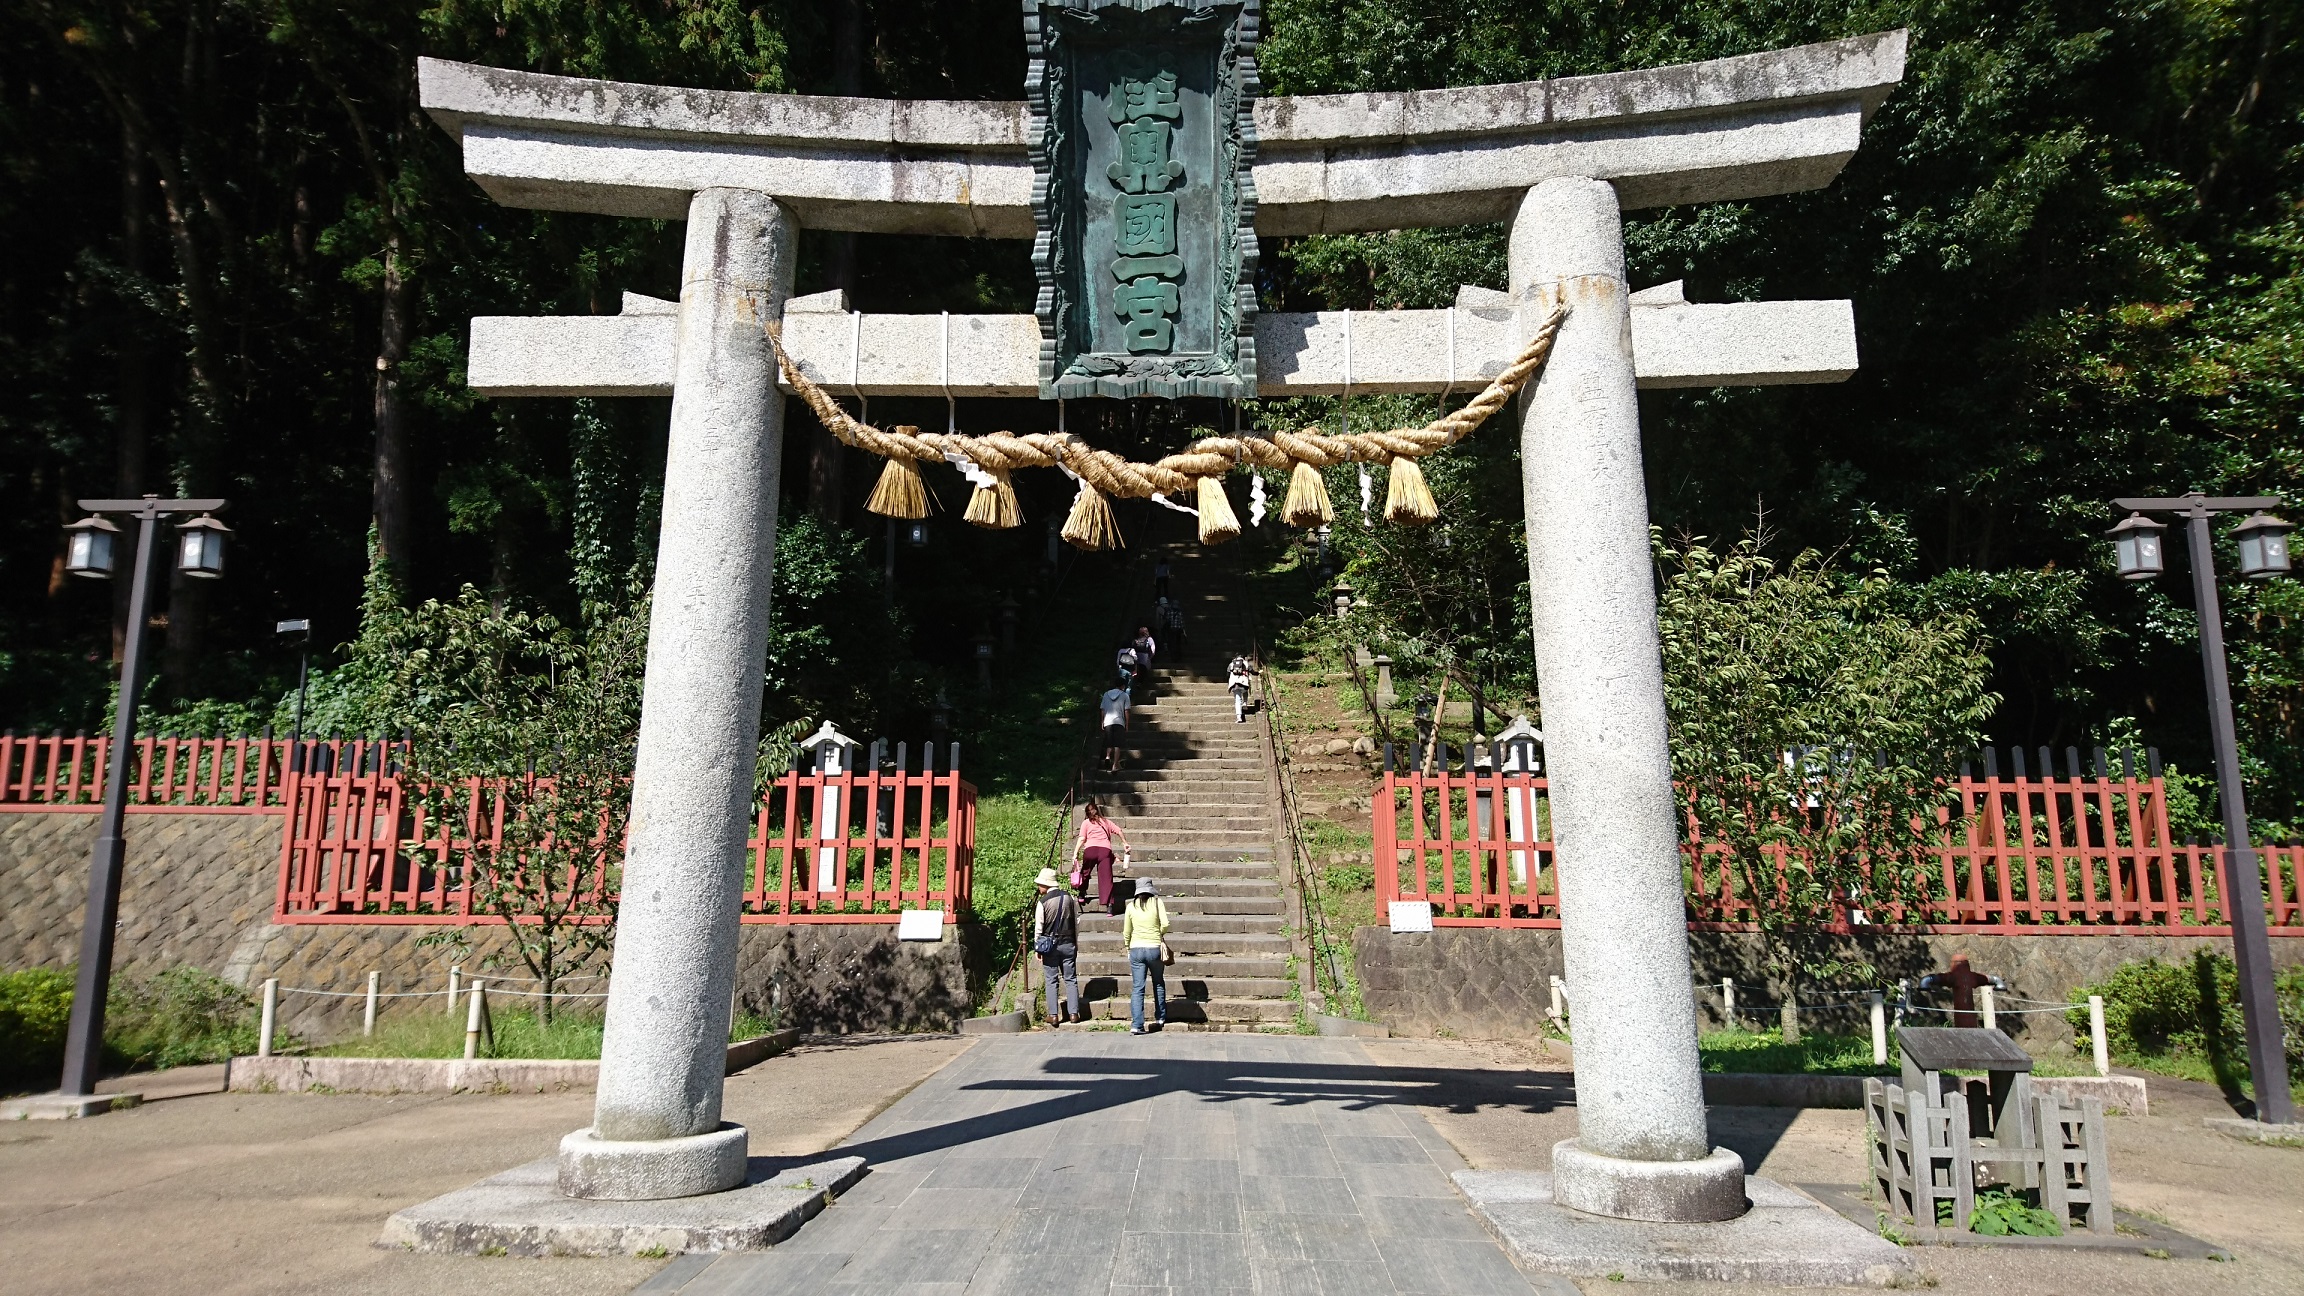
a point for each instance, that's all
(1986, 1002)
(368, 1019)
(1728, 1000)
(478, 1002)
(454, 973)
(271, 1015)
(1879, 1030)
(2096, 1037)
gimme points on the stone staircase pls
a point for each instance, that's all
(1194, 797)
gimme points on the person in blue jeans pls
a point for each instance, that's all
(1142, 928)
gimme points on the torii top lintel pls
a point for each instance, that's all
(1744, 127)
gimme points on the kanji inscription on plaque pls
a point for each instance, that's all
(1142, 135)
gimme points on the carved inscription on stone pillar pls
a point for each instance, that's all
(1142, 140)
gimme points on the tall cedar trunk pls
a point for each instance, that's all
(827, 458)
(130, 431)
(390, 503)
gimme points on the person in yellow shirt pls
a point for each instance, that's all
(1143, 927)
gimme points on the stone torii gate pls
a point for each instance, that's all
(1560, 159)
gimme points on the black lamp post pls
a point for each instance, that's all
(2263, 554)
(90, 552)
(302, 628)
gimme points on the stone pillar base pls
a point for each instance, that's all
(1673, 1192)
(599, 1169)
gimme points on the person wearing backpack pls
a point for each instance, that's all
(1239, 677)
(1056, 939)
(1144, 930)
(1147, 649)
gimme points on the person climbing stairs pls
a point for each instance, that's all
(1194, 796)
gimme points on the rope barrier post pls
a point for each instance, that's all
(368, 1019)
(2096, 1038)
(1559, 1010)
(1879, 1030)
(1991, 1009)
(454, 973)
(1728, 999)
(478, 1005)
(271, 1015)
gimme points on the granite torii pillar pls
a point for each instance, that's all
(656, 1129)
(1642, 1149)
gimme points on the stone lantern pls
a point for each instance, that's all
(829, 752)
(1519, 750)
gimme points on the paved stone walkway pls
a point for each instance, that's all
(1095, 1162)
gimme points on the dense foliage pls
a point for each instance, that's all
(180, 1016)
(242, 261)
(1815, 720)
(2185, 1017)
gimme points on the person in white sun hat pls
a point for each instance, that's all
(1056, 939)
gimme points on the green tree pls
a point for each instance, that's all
(517, 722)
(1815, 724)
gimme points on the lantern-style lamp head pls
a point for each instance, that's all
(200, 547)
(1519, 745)
(916, 535)
(91, 547)
(1342, 598)
(2136, 548)
(829, 750)
(2263, 546)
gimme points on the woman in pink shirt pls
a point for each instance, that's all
(1093, 847)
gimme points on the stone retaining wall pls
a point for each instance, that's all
(199, 890)
(1495, 982)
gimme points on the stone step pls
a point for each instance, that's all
(1105, 983)
(1213, 905)
(1194, 943)
(1121, 780)
(1170, 855)
(1180, 872)
(1169, 798)
(1219, 839)
(1202, 924)
(1185, 824)
(1190, 1012)
(1209, 888)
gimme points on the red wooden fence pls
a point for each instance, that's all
(2030, 856)
(355, 849)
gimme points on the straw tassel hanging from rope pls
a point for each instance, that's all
(1200, 466)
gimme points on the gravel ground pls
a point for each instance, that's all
(231, 1193)
(1504, 1105)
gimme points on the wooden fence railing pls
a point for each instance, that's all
(2033, 856)
(356, 848)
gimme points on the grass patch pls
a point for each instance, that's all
(1766, 1053)
(520, 1033)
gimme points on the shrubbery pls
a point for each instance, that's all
(35, 1007)
(179, 1017)
(2189, 1011)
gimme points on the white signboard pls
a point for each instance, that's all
(920, 925)
(1411, 916)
